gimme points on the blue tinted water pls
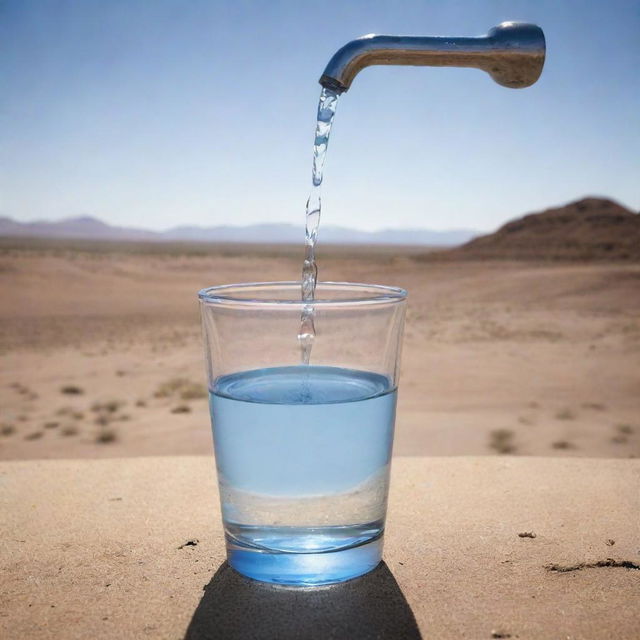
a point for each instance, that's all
(303, 457)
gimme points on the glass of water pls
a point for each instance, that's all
(303, 450)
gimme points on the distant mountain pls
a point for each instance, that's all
(86, 227)
(587, 229)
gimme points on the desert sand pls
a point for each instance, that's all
(482, 547)
(513, 368)
(101, 350)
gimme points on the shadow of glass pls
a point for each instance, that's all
(234, 607)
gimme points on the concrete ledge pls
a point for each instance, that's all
(93, 549)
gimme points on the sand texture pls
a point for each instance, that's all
(102, 355)
(525, 548)
(503, 360)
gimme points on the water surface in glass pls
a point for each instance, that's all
(303, 457)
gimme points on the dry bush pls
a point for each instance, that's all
(110, 406)
(501, 441)
(182, 387)
(7, 430)
(594, 406)
(72, 390)
(562, 444)
(105, 436)
(181, 408)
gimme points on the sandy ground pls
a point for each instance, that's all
(101, 352)
(111, 562)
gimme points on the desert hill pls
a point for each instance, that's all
(587, 229)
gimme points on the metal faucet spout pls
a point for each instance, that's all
(511, 53)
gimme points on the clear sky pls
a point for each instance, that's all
(164, 112)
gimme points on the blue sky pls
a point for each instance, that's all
(169, 112)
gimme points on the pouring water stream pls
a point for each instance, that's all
(326, 112)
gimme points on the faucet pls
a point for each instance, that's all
(511, 53)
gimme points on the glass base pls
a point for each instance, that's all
(305, 569)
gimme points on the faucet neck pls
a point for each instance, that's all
(512, 53)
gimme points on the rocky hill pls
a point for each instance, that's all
(588, 229)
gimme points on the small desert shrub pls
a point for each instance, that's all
(110, 406)
(106, 435)
(185, 389)
(35, 435)
(168, 388)
(141, 403)
(594, 406)
(193, 391)
(7, 430)
(51, 425)
(71, 412)
(69, 430)
(501, 441)
(562, 444)
(181, 408)
(565, 414)
(72, 390)
(626, 429)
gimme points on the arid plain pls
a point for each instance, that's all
(101, 349)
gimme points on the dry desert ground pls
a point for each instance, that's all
(101, 351)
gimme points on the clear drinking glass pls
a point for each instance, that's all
(303, 451)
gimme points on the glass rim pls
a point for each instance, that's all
(376, 294)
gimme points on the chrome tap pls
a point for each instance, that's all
(511, 53)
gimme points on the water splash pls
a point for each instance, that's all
(326, 112)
